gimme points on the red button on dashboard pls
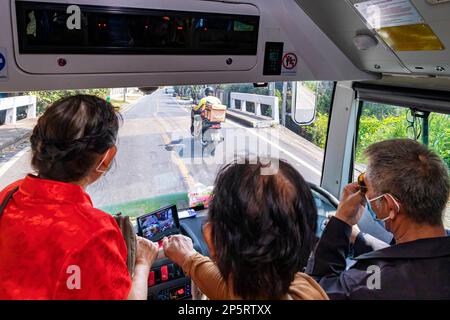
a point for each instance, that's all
(164, 273)
(151, 278)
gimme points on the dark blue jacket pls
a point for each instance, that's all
(413, 270)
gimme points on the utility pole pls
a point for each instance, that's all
(283, 105)
(271, 88)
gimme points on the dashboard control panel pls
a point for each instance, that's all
(179, 292)
(165, 285)
(167, 280)
(164, 273)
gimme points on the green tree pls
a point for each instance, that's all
(379, 110)
(439, 136)
(46, 98)
(373, 129)
(317, 131)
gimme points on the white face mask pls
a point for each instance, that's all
(101, 162)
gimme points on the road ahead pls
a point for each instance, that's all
(156, 154)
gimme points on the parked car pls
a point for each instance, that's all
(169, 90)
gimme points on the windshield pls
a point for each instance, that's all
(378, 122)
(160, 162)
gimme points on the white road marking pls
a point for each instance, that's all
(131, 105)
(128, 107)
(289, 154)
(4, 168)
(182, 168)
(182, 107)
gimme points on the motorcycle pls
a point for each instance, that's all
(208, 133)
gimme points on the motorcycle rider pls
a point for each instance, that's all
(200, 108)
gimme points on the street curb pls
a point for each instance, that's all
(14, 140)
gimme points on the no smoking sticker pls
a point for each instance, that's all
(289, 64)
(2, 62)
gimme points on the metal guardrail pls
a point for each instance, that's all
(11, 104)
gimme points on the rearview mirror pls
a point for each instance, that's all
(305, 98)
(148, 90)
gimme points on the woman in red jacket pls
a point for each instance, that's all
(53, 243)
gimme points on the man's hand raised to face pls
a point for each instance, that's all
(351, 206)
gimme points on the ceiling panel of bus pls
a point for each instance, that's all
(341, 22)
(280, 21)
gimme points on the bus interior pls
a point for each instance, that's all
(323, 80)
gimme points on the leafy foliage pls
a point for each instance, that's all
(318, 130)
(46, 98)
(373, 129)
(440, 135)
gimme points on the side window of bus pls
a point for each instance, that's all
(378, 122)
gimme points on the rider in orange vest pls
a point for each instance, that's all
(209, 98)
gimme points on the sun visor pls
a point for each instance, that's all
(399, 24)
(416, 37)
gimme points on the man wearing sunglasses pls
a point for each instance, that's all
(405, 189)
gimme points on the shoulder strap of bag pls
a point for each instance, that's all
(6, 200)
(129, 235)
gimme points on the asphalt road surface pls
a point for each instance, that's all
(157, 155)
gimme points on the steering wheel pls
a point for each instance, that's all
(324, 193)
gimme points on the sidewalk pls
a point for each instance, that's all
(12, 133)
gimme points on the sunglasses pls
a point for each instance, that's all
(361, 183)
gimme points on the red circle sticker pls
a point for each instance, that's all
(290, 61)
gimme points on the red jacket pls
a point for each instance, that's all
(55, 245)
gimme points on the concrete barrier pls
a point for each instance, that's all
(254, 118)
(258, 100)
(12, 103)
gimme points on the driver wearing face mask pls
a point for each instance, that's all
(405, 190)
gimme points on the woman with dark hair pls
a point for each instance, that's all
(53, 243)
(260, 233)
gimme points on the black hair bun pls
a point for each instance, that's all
(71, 134)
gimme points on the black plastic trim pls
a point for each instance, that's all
(420, 99)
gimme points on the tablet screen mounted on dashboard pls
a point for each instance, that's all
(159, 224)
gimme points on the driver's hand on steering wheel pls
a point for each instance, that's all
(178, 248)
